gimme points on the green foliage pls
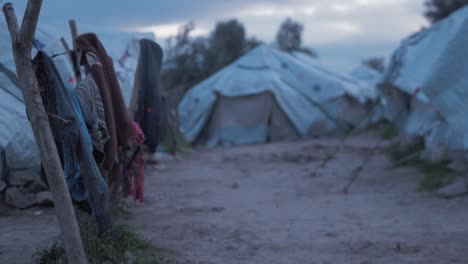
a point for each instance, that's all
(227, 43)
(191, 60)
(174, 142)
(388, 130)
(53, 255)
(440, 9)
(118, 245)
(436, 174)
(405, 156)
(289, 37)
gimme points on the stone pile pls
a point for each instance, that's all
(24, 188)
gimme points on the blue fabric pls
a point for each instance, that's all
(73, 141)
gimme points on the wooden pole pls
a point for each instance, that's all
(67, 50)
(22, 42)
(75, 62)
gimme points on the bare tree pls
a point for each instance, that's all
(22, 42)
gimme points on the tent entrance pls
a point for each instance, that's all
(249, 119)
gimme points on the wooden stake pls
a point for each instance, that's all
(67, 50)
(22, 42)
(76, 63)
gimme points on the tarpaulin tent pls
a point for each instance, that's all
(18, 149)
(269, 95)
(370, 78)
(425, 87)
(368, 75)
(124, 49)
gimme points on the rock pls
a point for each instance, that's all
(22, 177)
(457, 188)
(37, 186)
(37, 213)
(44, 199)
(19, 197)
(161, 157)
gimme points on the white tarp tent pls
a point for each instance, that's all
(269, 95)
(124, 49)
(18, 149)
(368, 75)
(426, 86)
(370, 78)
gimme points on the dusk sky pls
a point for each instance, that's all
(342, 31)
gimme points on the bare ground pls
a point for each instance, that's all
(261, 204)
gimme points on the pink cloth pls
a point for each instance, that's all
(135, 174)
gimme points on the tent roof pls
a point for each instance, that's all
(297, 87)
(432, 64)
(366, 74)
(431, 54)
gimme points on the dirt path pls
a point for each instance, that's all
(260, 204)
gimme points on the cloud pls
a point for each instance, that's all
(349, 20)
(170, 30)
(327, 22)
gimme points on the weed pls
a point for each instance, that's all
(388, 130)
(436, 174)
(118, 245)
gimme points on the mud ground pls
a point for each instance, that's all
(263, 204)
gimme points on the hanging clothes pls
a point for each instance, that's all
(135, 168)
(92, 107)
(83, 177)
(146, 100)
(93, 56)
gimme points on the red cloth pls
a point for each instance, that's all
(135, 174)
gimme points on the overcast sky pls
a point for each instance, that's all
(343, 31)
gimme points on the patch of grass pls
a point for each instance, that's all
(405, 156)
(174, 142)
(386, 129)
(436, 174)
(53, 255)
(118, 245)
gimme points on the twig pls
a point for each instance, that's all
(340, 146)
(404, 160)
(357, 171)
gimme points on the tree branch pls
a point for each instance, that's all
(22, 47)
(12, 22)
(28, 27)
